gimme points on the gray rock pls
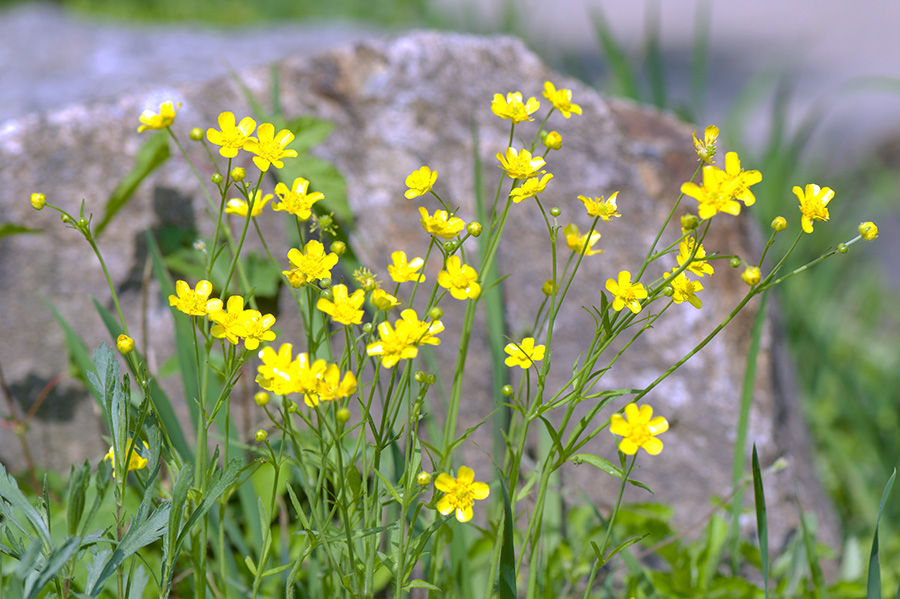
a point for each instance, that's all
(397, 105)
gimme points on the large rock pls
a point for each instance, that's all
(397, 105)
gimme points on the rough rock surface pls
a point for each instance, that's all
(397, 105)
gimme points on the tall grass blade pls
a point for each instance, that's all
(815, 569)
(507, 588)
(873, 583)
(762, 523)
(656, 69)
(623, 75)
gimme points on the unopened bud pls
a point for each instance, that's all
(343, 415)
(339, 248)
(38, 200)
(474, 228)
(751, 275)
(867, 230)
(196, 134)
(216, 178)
(553, 140)
(842, 248)
(689, 222)
(735, 262)
(779, 224)
(435, 313)
(555, 211)
(261, 436)
(261, 398)
(125, 344)
(423, 479)
(238, 174)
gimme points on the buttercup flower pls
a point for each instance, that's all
(402, 271)
(741, 180)
(240, 206)
(813, 204)
(332, 387)
(419, 332)
(577, 242)
(160, 120)
(136, 460)
(553, 140)
(255, 328)
(460, 493)
(383, 300)
(231, 137)
(513, 107)
(194, 302)
(561, 99)
(524, 354)
(699, 266)
(38, 201)
(270, 148)
(344, 308)
(868, 231)
(459, 279)
(626, 294)
(125, 344)
(441, 224)
(520, 164)
(605, 209)
(310, 265)
(229, 323)
(278, 371)
(530, 188)
(420, 182)
(685, 289)
(716, 195)
(638, 429)
(308, 376)
(706, 150)
(295, 200)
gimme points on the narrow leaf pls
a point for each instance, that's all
(873, 583)
(606, 466)
(11, 229)
(9, 490)
(507, 550)
(762, 526)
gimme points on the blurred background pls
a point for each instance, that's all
(806, 91)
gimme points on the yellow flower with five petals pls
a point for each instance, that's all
(231, 137)
(638, 429)
(561, 100)
(460, 493)
(159, 120)
(269, 147)
(513, 108)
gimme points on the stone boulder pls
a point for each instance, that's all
(398, 104)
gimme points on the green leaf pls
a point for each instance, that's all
(140, 533)
(11, 229)
(762, 526)
(309, 132)
(873, 582)
(606, 466)
(55, 562)
(809, 543)
(79, 480)
(325, 177)
(507, 550)
(153, 153)
(78, 351)
(389, 487)
(415, 583)
(9, 490)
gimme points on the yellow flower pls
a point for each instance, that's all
(240, 206)
(383, 300)
(685, 289)
(459, 279)
(524, 354)
(520, 164)
(194, 302)
(270, 148)
(136, 461)
(228, 323)
(698, 266)
(310, 265)
(561, 99)
(278, 372)
(231, 137)
(751, 275)
(441, 224)
(577, 242)
(868, 231)
(344, 308)
(638, 429)
(706, 150)
(254, 328)
(420, 182)
(460, 493)
(742, 180)
(553, 140)
(716, 195)
(402, 271)
(393, 345)
(530, 188)
(513, 107)
(626, 294)
(605, 209)
(125, 344)
(295, 200)
(161, 120)
(419, 332)
(813, 204)
(332, 387)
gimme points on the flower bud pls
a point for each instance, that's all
(668, 291)
(125, 344)
(327, 294)
(735, 262)
(867, 230)
(506, 390)
(325, 282)
(343, 415)
(423, 479)
(238, 174)
(38, 200)
(474, 228)
(369, 284)
(200, 245)
(553, 140)
(430, 378)
(435, 313)
(82, 223)
(292, 409)
(689, 222)
(420, 376)
(751, 275)
(842, 248)
(261, 436)
(549, 287)
(555, 211)
(339, 248)
(779, 224)
(65, 218)
(261, 398)
(368, 327)
(449, 246)
(216, 178)
(196, 134)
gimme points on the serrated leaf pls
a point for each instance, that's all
(153, 153)
(55, 562)
(140, 534)
(11, 229)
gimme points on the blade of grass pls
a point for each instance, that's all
(507, 551)
(623, 75)
(873, 582)
(815, 569)
(762, 526)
